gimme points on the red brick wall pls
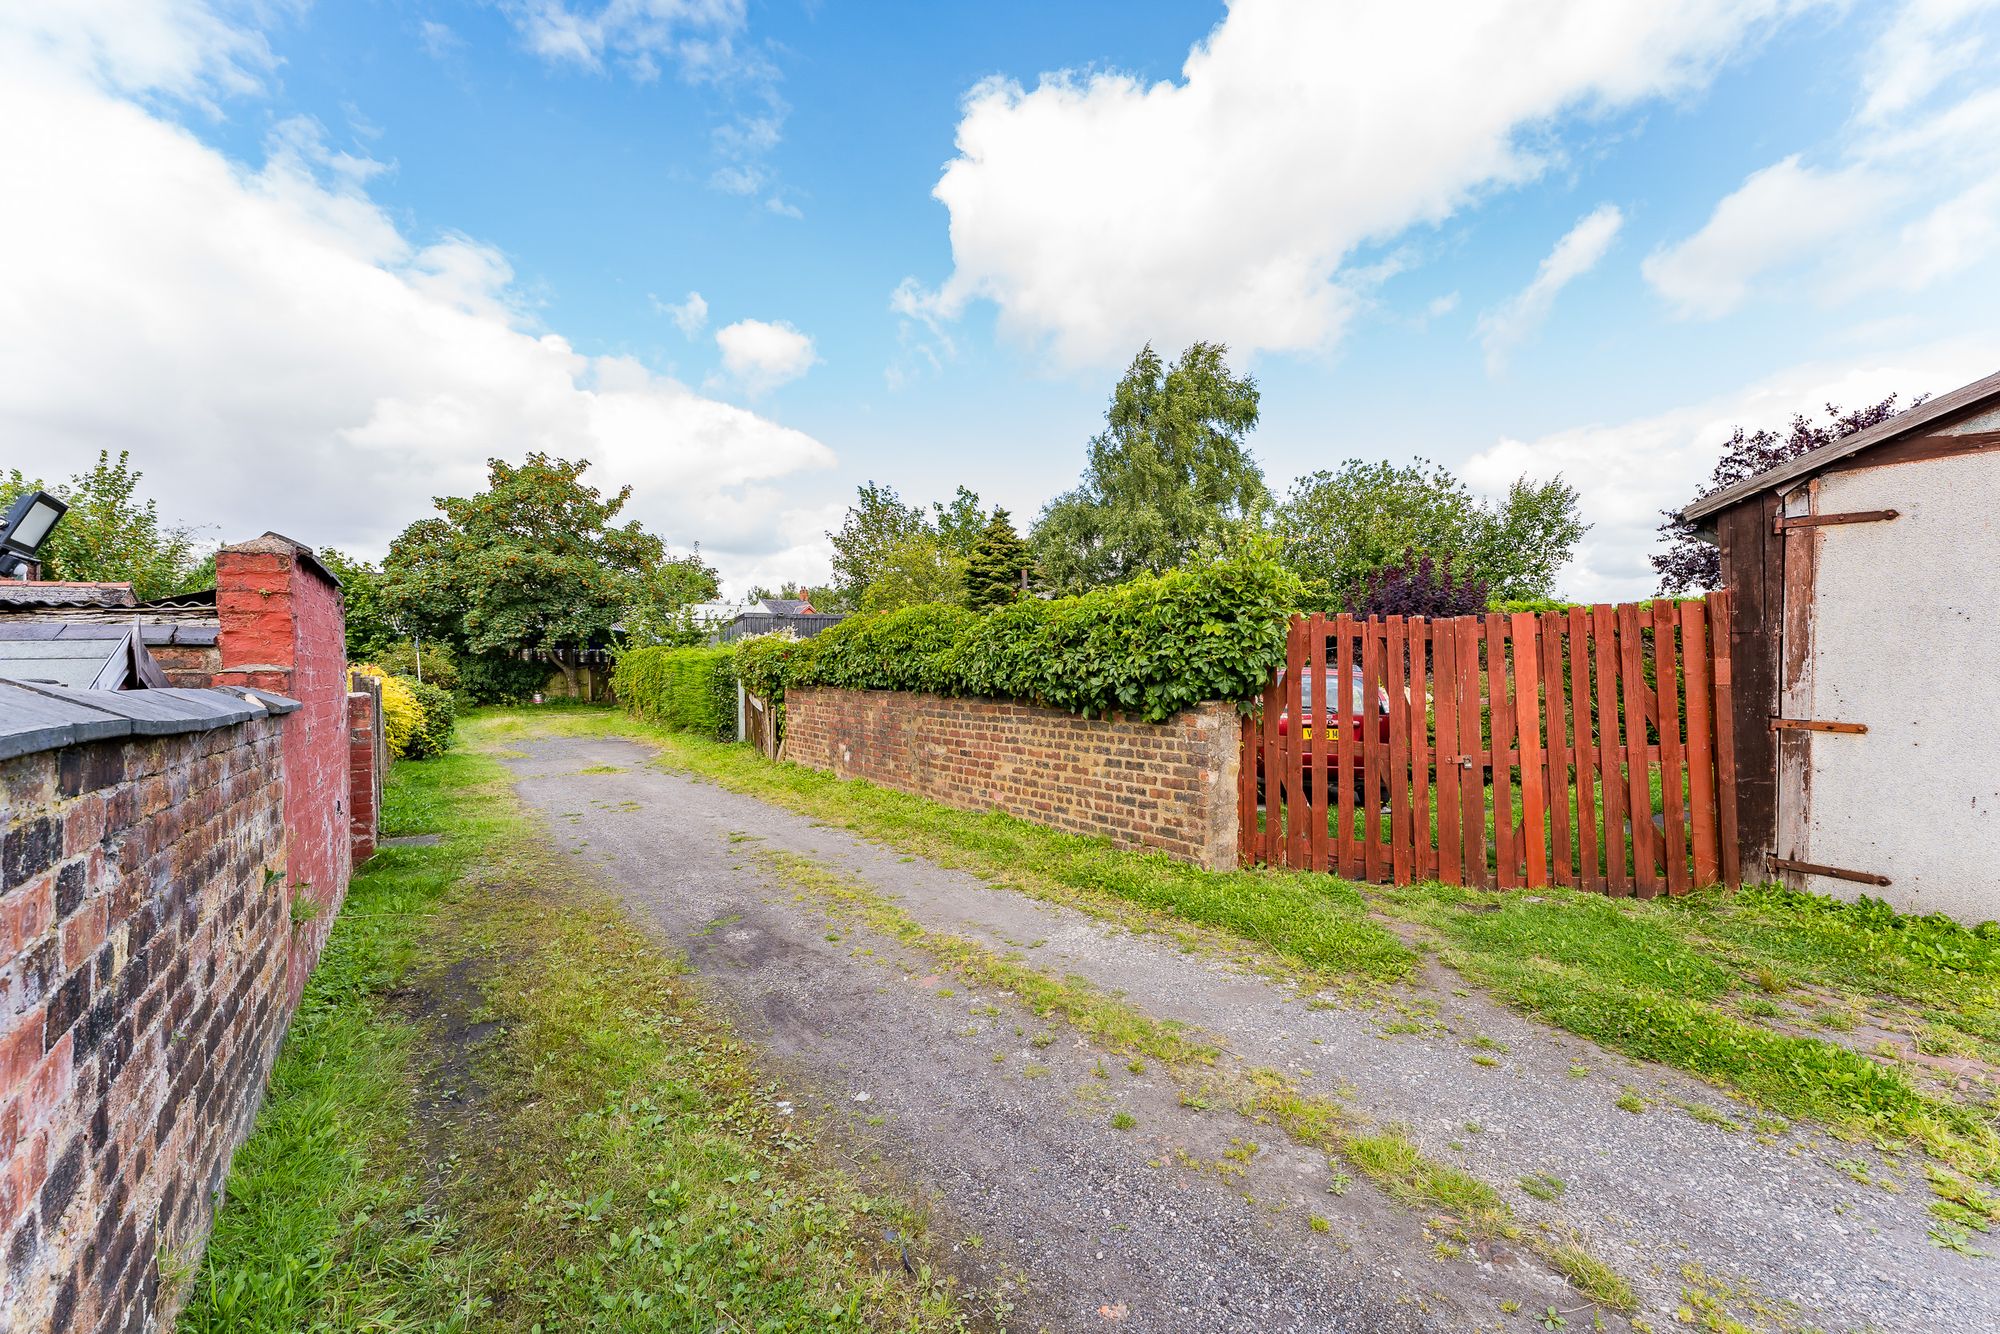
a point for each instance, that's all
(144, 926)
(1166, 786)
(284, 630)
(367, 765)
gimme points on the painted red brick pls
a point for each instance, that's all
(1168, 787)
(139, 1019)
(284, 630)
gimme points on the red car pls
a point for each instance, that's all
(1312, 734)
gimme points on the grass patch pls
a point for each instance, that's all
(1683, 982)
(1592, 1277)
(622, 1165)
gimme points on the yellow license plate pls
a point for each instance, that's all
(1332, 733)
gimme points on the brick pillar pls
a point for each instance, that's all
(365, 755)
(283, 630)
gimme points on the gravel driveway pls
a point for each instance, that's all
(1090, 1197)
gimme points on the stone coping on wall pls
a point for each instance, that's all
(36, 717)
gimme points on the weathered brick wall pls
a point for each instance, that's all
(1166, 786)
(284, 630)
(144, 932)
(367, 766)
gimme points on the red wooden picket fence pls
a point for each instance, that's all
(1516, 750)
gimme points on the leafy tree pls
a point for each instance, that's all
(532, 563)
(110, 535)
(370, 634)
(877, 523)
(1422, 585)
(663, 596)
(959, 524)
(880, 523)
(921, 568)
(993, 570)
(1690, 562)
(1168, 473)
(1339, 528)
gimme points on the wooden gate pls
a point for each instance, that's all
(1501, 750)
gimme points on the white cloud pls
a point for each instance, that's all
(1781, 215)
(1098, 211)
(1923, 45)
(1627, 472)
(277, 353)
(737, 179)
(1576, 254)
(765, 355)
(438, 39)
(689, 316)
(181, 48)
(693, 35)
(1909, 194)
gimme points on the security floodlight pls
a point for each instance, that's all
(27, 525)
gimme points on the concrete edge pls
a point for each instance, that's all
(36, 717)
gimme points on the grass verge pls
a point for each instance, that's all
(616, 1163)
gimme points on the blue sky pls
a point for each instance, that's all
(312, 263)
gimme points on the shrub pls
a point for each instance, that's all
(433, 735)
(1422, 585)
(1150, 647)
(907, 649)
(693, 689)
(402, 714)
(498, 678)
(766, 664)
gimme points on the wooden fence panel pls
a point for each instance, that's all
(1402, 834)
(1638, 776)
(1472, 743)
(1527, 689)
(1610, 774)
(1374, 762)
(1346, 662)
(1418, 722)
(1574, 713)
(1666, 682)
(1700, 743)
(1724, 723)
(1444, 676)
(1583, 754)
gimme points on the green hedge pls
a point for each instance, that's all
(693, 689)
(433, 734)
(1150, 647)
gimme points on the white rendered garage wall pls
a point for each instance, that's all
(1906, 638)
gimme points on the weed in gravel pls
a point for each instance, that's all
(1392, 1161)
(1629, 1101)
(1123, 1121)
(1543, 1186)
(1591, 1277)
(1103, 1018)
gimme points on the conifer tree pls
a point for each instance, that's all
(993, 570)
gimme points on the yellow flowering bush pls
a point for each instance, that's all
(402, 715)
